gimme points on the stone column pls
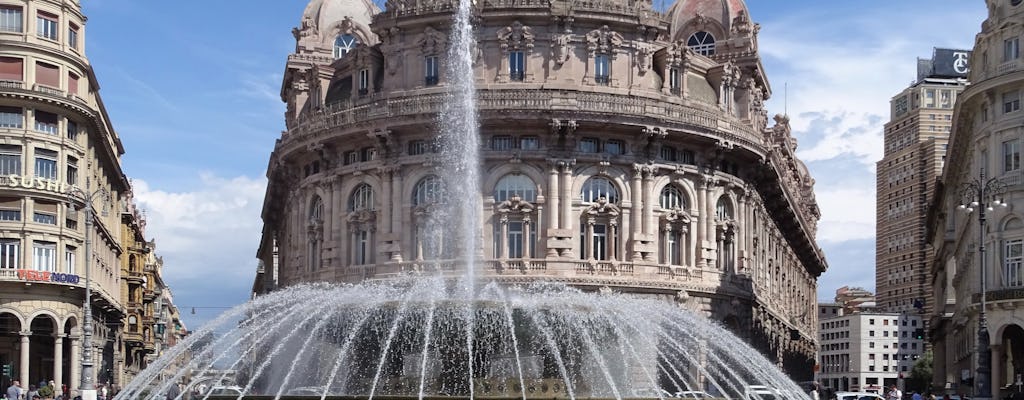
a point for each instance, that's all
(396, 201)
(635, 214)
(699, 236)
(527, 238)
(23, 369)
(503, 240)
(553, 197)
(76, 372)
(648, 198)
(566, 219)
(58, 361)
(587, 244)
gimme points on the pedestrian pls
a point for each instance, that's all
(894, 393)
(14, 391)
(32, 392)
(916, 396)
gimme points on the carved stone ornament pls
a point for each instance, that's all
(516, 37)
(643, 57)
(432, 41)
(603, 40)
(362, 219)
(602, 208)
(560, 48)
(741, 25)
(677, 216)
(515, 205)
(306, 30)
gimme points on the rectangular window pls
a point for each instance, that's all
(364, 81)
(687, 157)
(47, 75)
(1011, 155)
(11, 117)
(601, 69)
(588, 145)
(368, 154)
(430, 73)
(929, 98)
(44, 218)
(1013, 255)
(10, 19)
(515, 239)
(502, 142)
(7, 214)
(46, 25)
(675, 80)
(69, 259)
(12, 69)
(10, 253)
(1011, 49)
(44, 256)
(72, 83)
(614, 147)
(72, 131)
(46, 122)
(417, 147)
(529, 143)
(1011, 102)
(600, 242)
(351, 157)
(46, 164)
(362, 247)
(71, 177)
(516, 66)
(668, 153)
(10, 159)
(73, 36)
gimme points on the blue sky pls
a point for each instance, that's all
(195, 99)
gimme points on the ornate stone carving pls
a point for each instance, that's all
(603, 40)
(516, 37)
(643, 57)
(432, 41)
(515, 206)
(308, 29)
(602, 208)
(561, 48)
(742, 25)
(362, 220)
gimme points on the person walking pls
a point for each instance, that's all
(894, 393)
(14, 391)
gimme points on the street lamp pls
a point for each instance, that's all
(984, 195)
(76, 194)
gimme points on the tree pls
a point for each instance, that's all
(920, 379)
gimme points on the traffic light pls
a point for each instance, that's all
(919, 333)
(7, 370)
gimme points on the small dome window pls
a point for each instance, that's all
(702, 43)
(344, 44)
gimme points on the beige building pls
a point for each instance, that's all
(622, 148)
(915, 148)
(868, 351)
(988, 125)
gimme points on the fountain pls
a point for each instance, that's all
(427, 336)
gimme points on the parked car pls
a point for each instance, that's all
(650, 393)
(306, 391)
(858, 396)
(761, 392)
(225, 391)
(692, 394)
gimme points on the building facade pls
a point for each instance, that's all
(623, 148)
(867, 351)
(915, 139)
(985, 143)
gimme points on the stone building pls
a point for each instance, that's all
(623, 147)
(985, 143)
(868, 351)
(915, 139)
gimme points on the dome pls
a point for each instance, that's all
(719, 14)
(326, 15)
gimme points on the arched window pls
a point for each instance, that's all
(427, 191)
(723, 209)
(316, 209)
(597, 187)
(515, 184)
(344, 44)
(362, 198)
(702, 43)
(673, 199)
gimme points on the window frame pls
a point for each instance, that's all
(1011, 155)
(44, 256)
(10, 253)
(47, 25)
(44, 155)
(342, 47)
(15, 20)
(602, 68)
(599, 186)
(702, 42)
(516, 65)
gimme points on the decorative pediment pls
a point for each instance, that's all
(432, 41)
(603, 40)
(516, 37)
(515, 206)
(602, 208)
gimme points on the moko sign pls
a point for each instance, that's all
(46, 276)
(35, 182)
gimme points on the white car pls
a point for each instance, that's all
(692, 394)
(761, 392)
(225, 391)
(858, 396)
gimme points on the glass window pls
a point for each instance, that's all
(1011, 101)
(1013, 255)
(430, 73)
(597, 187)
(1011, 155)
(72, 131)
(672, 198)
(599, 242)
(675, 79)
(362, 247)
(589, 145)
(316, 209)
(516, 65)
(668, 153)
(46, 122)
(515, 239)
(46, 25)
(702, 43)
(428, 190)
(362, 198)
(72, 171)
(69, 259)
(364, 81)
(515, 184)
(44, 256)
(673, 256)
(417, 147)
(10, 214)
(11, 117)
(10, 159)
(10, 252)
(44, 218)
(10, 19)
(73, 36)
(46, 164)
(368, 154)
(614, 147)
(723, 211)
(529, 143)
(1011, 49)
(344, 44)
(502, 142)
(601, 69)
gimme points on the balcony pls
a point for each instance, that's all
(134, 307)
(148, 294)
(136, 277)
(132, 338)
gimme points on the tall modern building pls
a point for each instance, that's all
(916, 137)
(867, 351)
(984, 152)
(622, 147)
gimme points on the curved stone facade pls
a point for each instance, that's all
(622, 148)
(987, 134)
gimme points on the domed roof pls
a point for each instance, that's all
(724, 12)
(326, 13)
